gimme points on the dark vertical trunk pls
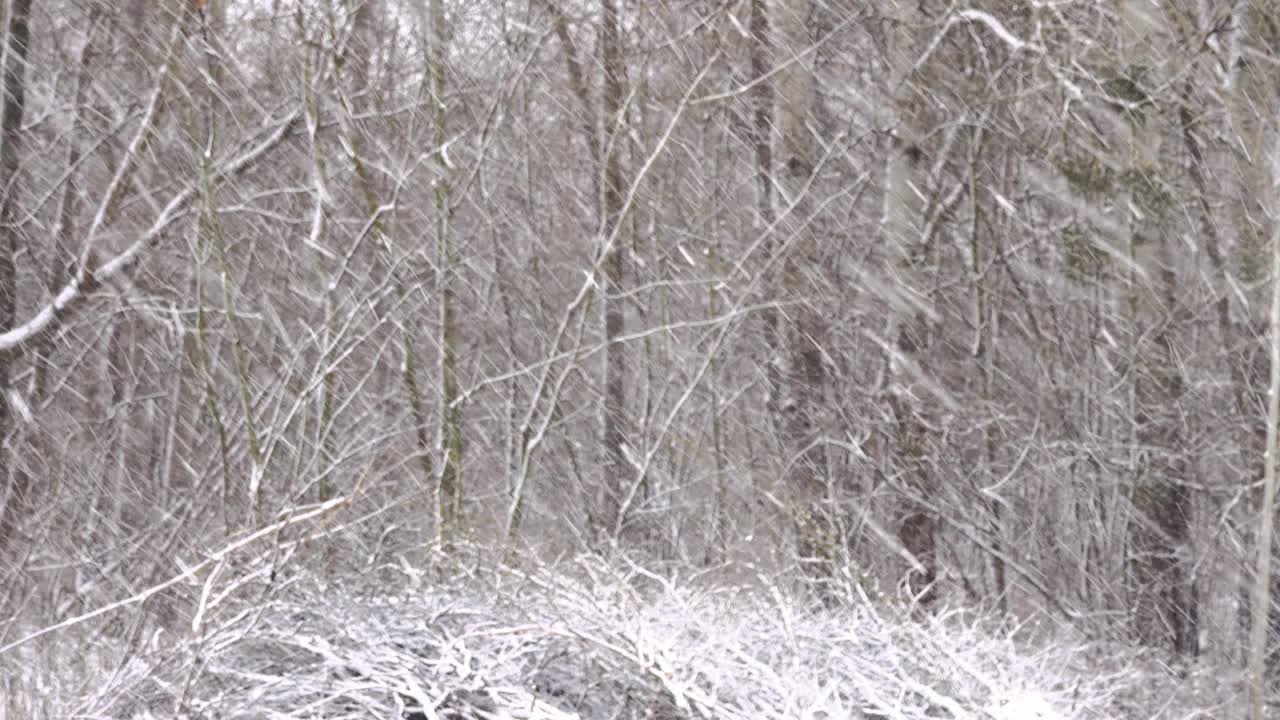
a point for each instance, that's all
(762, 100)
(1208, 227)
(760, 138)
(918, 529)
(64, 250)
(1254, 104)
(451, 445)
(803, 376)
(1166, 605)
(762, 134)
(905, 179)
(615, 268)
(14, 96)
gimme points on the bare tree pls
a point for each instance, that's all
(613, 251)
(451, 442)
(1260, 632)
(906, 231)
(948, 305)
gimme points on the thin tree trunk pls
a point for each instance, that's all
(409, 355)
(904, 231)
(613, 432)
(1266, 513)
(984, 355)
(1254, 106)
(1165, 606)
(63, 253)
(451, 446)
(717, 542)
(18, 38)
(1253, 113)
(762, 142)
(820, 542)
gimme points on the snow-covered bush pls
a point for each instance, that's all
(590, 641)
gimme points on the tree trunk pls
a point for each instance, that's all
(451, 447)
(762, 142)
(613, 434)
(905, 177)
(18, 38)
(1165, 607)
(1258, 234)
(804, 377)
(1261, 626)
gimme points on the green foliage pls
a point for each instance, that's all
(1149, 193)
(1087, 176)
(1254, 257)
(1083, 262)
(1127, 93)
(1092, 180)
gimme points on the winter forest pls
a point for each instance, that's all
(674, 359)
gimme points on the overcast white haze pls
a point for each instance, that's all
(617, 359)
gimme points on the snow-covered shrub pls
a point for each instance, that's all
(589, 640)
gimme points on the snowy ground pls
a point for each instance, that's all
(586, 641)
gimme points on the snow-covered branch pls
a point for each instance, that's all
(75, 290)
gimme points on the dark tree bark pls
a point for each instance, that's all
(1166, 604)
(905, 178)
(613, 433)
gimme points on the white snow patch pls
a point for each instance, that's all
(1024, 705)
